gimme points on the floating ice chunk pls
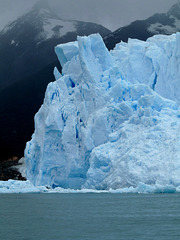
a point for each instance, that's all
(14, 186)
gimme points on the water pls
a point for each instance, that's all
(89, 216)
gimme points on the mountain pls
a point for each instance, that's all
(26, 43)
(26, 67)
(165, 23)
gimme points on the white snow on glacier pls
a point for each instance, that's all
(112, 119)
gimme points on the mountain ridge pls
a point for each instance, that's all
(160, 23)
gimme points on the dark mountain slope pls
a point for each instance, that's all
(26, 67)
(165, 23)
(27, 45)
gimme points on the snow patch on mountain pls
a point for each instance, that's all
(170, 28)
(157, 28)
(57, 27)
(176, 22)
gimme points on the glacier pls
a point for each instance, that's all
(111, 120)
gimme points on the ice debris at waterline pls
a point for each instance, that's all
(14, 186)
(105, 123)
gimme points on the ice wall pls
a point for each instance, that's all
(155, 62)
(102, 124)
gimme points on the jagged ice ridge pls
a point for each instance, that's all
(111, 120)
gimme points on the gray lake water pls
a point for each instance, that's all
(89, 216)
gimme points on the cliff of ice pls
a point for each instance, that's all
(111, 120)
(155, 62)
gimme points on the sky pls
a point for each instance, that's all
(110, 13)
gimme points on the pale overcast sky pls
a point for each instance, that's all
(110, 13)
